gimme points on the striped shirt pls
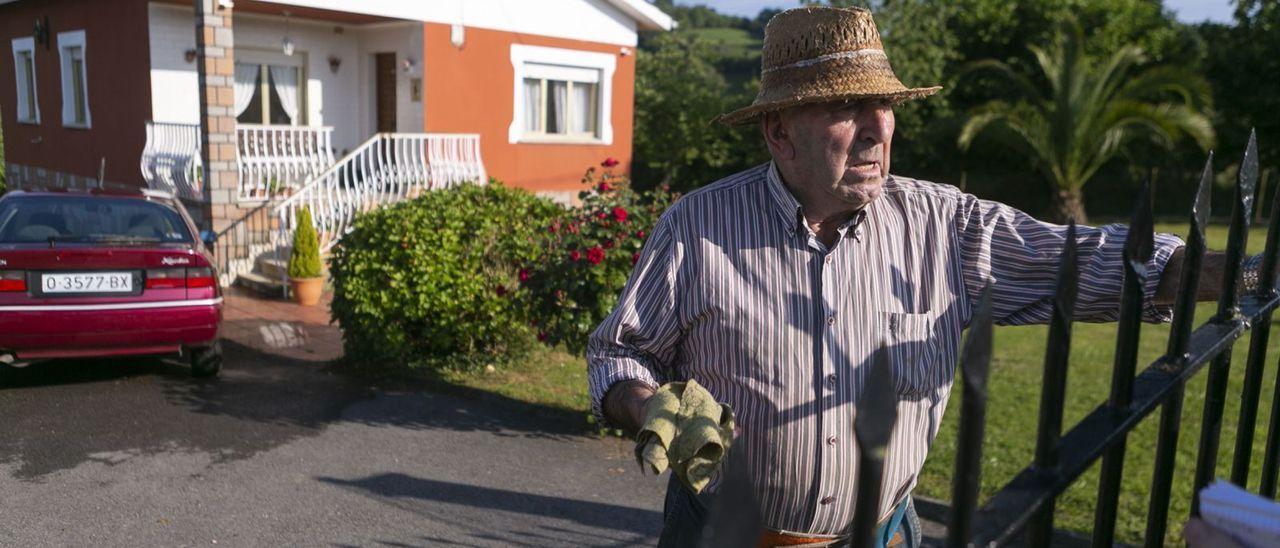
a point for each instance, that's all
(734, 290)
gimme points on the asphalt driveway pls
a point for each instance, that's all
(282, 451)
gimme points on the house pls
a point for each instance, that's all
(340, 105)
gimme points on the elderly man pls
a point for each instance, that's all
(773, 286)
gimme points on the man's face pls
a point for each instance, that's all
(838, 149)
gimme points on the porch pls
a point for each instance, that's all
(282, 169)
(305, 107)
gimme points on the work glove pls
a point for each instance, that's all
(687, 430)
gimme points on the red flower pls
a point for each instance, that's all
(602, 215)
(553, 228)
(620, 214)
(604, 187)
(609, 162)
(635, 259)
(640, 234)
(608, 244)
(500, 290)
(524, 275)
(542, 336)
(573, 228)
(595, 255)
(575, 255)
(559, 294)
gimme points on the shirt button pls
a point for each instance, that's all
(831, 440)
(831, 379)
(831, 320)
(827, 500)
(827, 260)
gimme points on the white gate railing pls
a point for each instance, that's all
(171, 159)
(275, 158)
(387, 168)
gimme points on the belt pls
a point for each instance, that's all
(776, 539)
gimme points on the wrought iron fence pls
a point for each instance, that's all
(1026, 504)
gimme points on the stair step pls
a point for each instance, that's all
(254, 281)
(272, 267)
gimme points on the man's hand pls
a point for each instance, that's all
(1211, 269)
(1202, 535)
(624, 403)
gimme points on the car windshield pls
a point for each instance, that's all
(92, 219)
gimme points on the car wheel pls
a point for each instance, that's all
(207, 361)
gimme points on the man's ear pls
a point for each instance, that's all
(776, 136)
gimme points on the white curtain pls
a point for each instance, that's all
(285, 81)
(584, 116)
(246, 84)
(532, 105)
(556, 114)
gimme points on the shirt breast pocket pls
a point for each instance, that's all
(913, 353)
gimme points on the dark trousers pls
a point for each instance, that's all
(684, 515)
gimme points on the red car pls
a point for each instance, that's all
(105, 273)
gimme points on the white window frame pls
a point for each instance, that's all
(26, 45)
(264, 59)
(541, 62)
(66, 41)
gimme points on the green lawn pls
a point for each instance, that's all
(1012, 413)
(730, 42)
(558, 380)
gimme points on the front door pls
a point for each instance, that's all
(385, 90)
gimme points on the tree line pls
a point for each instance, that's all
(1059, 107)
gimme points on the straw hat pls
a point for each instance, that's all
(814, 55)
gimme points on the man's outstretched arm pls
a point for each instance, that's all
(1211, 270)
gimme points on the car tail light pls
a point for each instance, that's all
(199, 277)
(166, 278)
(13, 280)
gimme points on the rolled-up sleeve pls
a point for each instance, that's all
(1020, 255)
(638, 340)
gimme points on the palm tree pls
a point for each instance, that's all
(1088, 113)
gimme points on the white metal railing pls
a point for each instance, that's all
(387, 168)
(275, 158)
(171, 159)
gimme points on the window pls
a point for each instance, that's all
(75, 85)
(561, 96)
(267, 93)
(24, 64)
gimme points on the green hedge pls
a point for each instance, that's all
(429, 282)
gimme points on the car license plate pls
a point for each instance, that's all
(88, 282)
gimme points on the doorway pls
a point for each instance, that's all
(385, 91)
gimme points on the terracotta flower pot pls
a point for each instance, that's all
(306, 291)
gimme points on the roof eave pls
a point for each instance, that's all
(646, 15)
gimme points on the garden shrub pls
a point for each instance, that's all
(304, 261)
(430, 282)
(587, 257)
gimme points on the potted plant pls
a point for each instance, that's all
(305, 271)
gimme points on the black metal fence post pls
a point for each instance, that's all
(1137, 251)
(1175, 359)
(873, 427)
(1260, 333)
(1054, 386)
(974, 366)
(1219, 372)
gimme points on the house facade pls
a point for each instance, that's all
(544, 88)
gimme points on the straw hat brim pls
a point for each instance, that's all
(753, 112)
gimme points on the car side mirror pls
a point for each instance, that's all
(209, 237)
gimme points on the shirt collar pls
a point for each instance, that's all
(787, 208)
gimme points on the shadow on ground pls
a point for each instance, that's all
(560, 521)
(61, 414)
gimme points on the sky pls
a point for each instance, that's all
(1188, 11)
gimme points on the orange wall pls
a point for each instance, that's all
(469, 90)
(117, 62)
